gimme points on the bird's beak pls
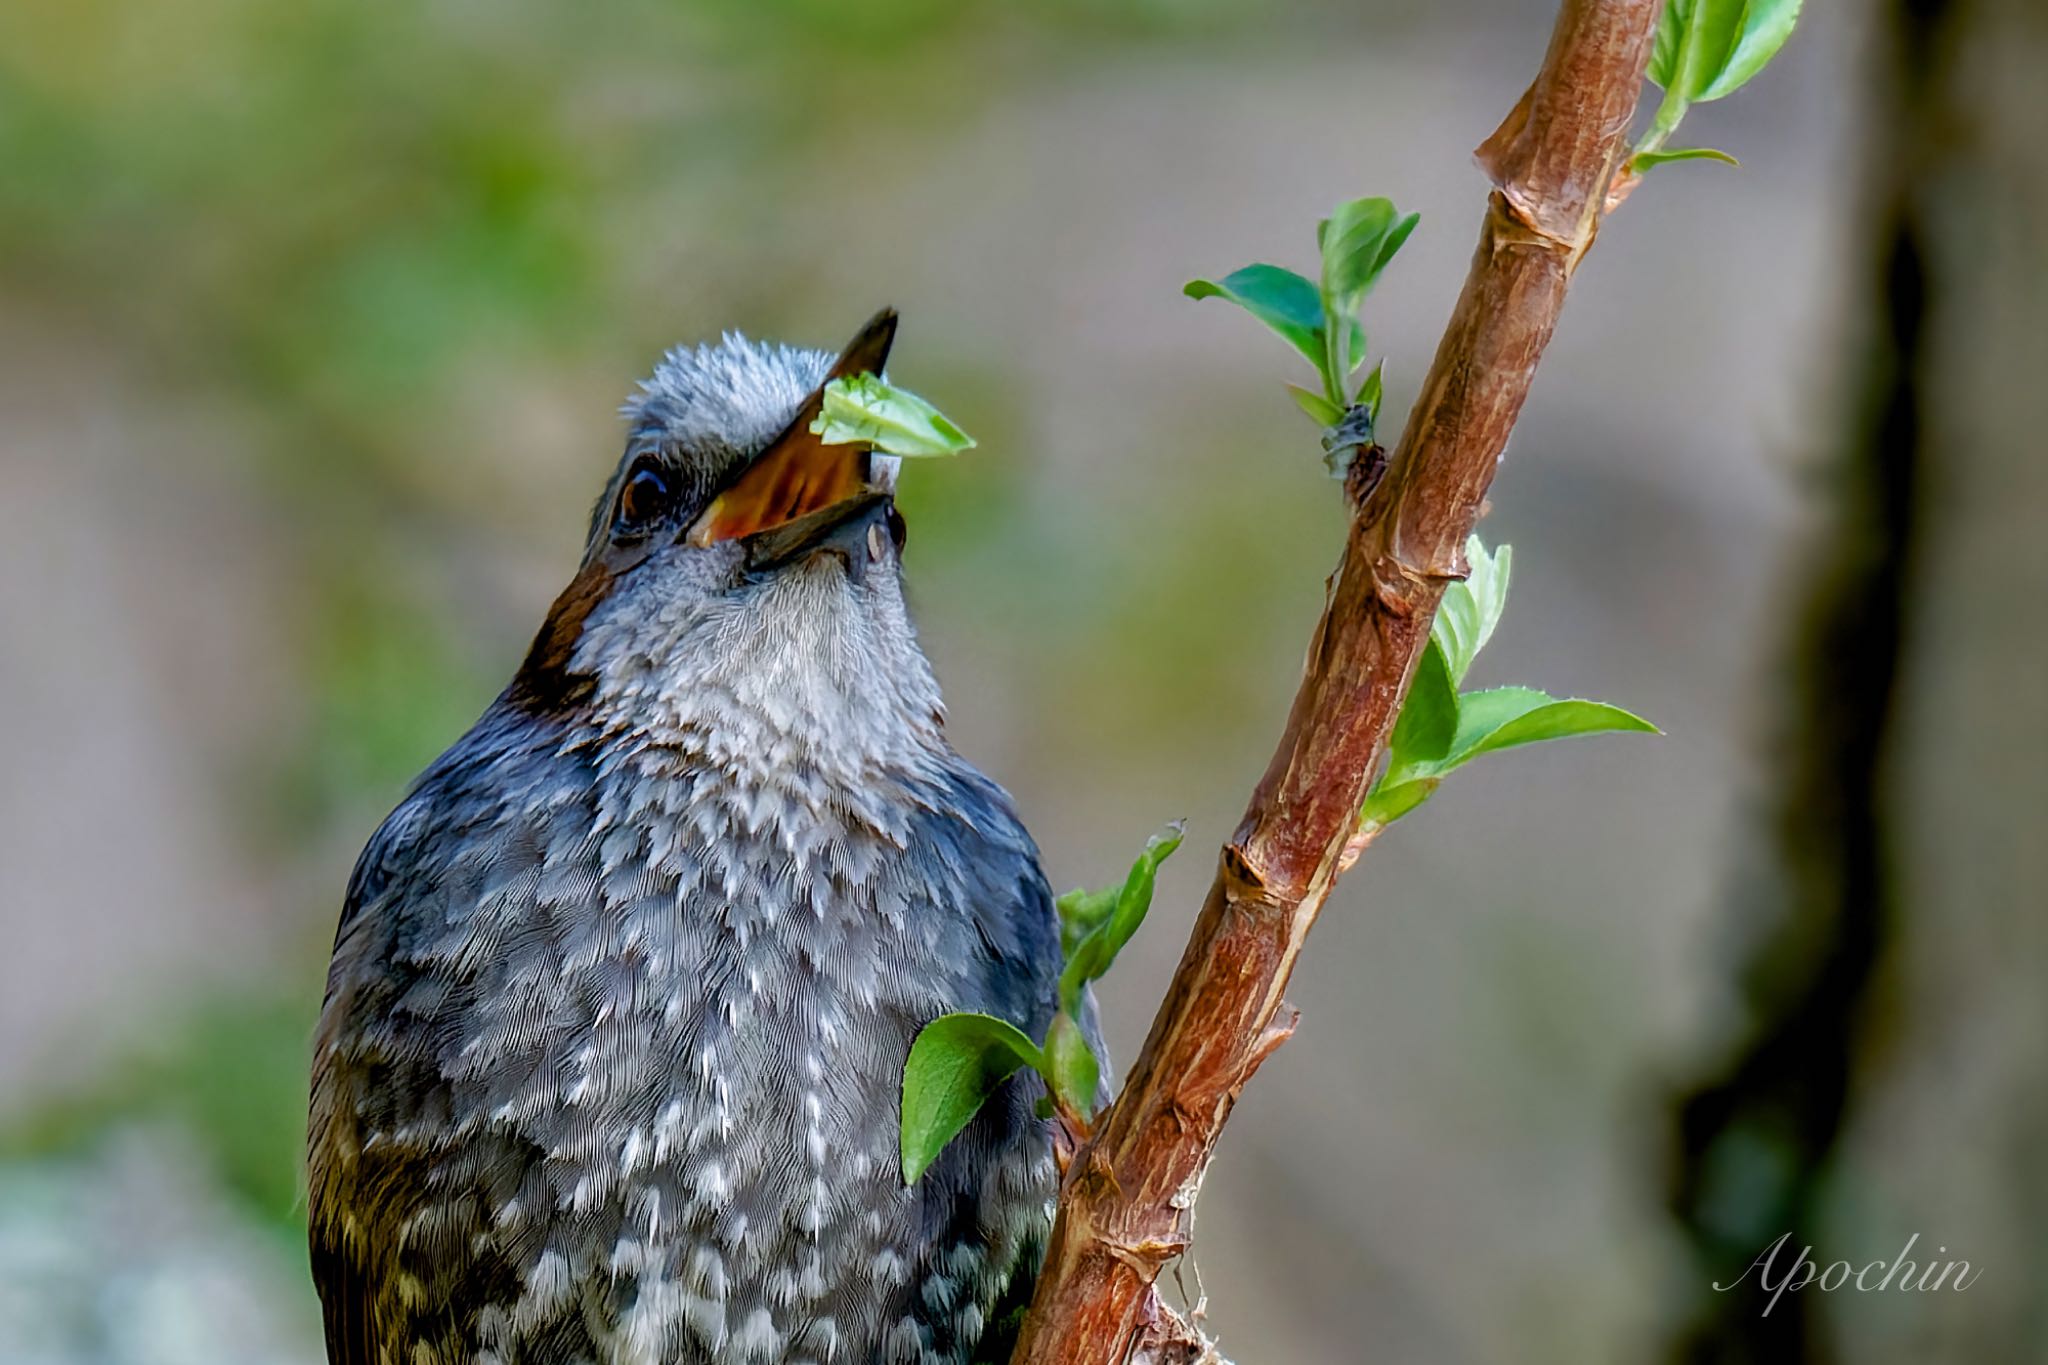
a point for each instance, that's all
(798, 474)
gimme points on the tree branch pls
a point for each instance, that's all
(1126, 1204)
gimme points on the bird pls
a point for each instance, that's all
(607, 1070)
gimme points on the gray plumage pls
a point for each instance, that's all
(608, 1069)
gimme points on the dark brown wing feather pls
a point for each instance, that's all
(345, 1302)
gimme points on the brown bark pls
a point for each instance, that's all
(1125, 1207)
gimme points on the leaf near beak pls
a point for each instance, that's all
(862, 409)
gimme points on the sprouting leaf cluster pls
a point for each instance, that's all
(1441, 728)
(1319, 318)
(862, 408)
(958, 1060)
(1706, 49)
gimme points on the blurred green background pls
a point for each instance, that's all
(314, 319)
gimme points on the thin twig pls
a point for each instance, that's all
(1125, 1206)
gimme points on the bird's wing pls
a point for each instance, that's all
(345, 1301)
(1006, 1316)
(1011, 904)
(348, 1289)
(1017, 923)
(1014, 945)
(408, 1241)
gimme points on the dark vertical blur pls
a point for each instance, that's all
(1783, 1133)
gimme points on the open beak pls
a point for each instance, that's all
(798, 474)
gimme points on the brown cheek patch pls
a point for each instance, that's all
(801, 476)
(544, 682)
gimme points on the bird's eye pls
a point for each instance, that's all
(646, 497)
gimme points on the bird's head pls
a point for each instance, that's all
(739, 571)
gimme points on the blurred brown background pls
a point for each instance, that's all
(313, 322)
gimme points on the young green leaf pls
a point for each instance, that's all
(1766, 24)
(1500, 718)
(1286, 302)
(1470, 609)
(1706, 49)
(1369, 392)
(1429, 718)
(861, 408)
(1080, 910)
(1357, 242)
(1440, 729)
(1092, 957)
(1505, 717)
(955, 1064)
(1320, 409)
(1643, 161)
(1388, 804)
(1670, 36)
(1071, 1065)
(1703, 36)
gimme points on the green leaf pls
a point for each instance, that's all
(1092, 957)
(1643, 161)
(1388, 804)
(1766, 24)
(1440, 729)
(1670, 36)
(1428, 720)
(1286, 302)
(1080, 911)
(1071, 1065)
(1482, 722)
(1706, 49)
(1504, 717)
(1357, 242)
(1469, 610)
(1320, 409)
(1369, 391)
(1276, 296)
(955, 1064)
(1712, 28)
(1393, 242)
(861, 408)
